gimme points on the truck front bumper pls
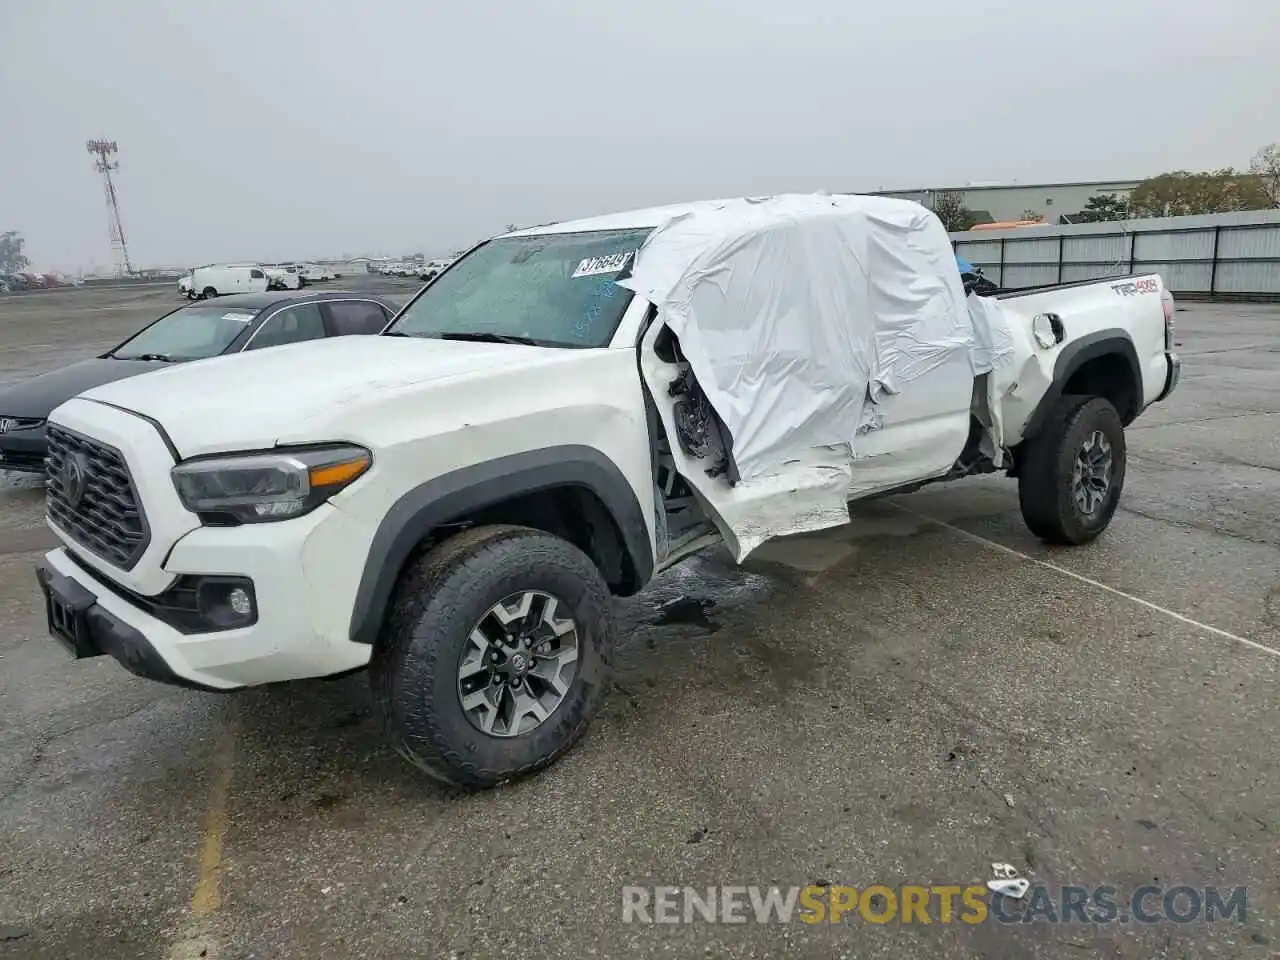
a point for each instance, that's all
(88, 629)
(301, 576)
(1171, 379)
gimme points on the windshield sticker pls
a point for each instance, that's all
(594, 266)
(238, 317)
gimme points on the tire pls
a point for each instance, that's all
(208, 293)
(441, 599)
(1048, 489)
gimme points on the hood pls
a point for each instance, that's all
(285, 394)
(37, 396)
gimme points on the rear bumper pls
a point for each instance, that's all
(1172, 377)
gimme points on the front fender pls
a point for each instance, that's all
(455, 495)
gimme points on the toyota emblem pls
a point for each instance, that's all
(75, 479)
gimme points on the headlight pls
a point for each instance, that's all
(262, 487)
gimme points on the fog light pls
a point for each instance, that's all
(226, 603)
(239, 601)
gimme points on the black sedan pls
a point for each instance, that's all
(205, 329)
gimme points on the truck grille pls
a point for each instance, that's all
(90, 496)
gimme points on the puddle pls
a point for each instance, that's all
(691, 611)
(693, 593)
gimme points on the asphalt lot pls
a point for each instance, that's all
(902, 701)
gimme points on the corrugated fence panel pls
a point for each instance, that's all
(979, 251)
(1240, 278)
(1249, 242)
(1075, 272)
(1181, 249)
(1196, 245)
(1029, 276)
(1181, 277)
(1031, 251)
(1113, 249)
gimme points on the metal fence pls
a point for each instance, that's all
(1221, 256)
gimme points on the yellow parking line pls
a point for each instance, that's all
(208, 893)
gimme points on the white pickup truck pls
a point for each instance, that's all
(561, 413)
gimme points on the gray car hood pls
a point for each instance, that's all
(36, 397)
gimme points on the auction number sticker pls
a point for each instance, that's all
(238, 317)
(594, 266)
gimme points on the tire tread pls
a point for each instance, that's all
(1048, 458)
(440, 579)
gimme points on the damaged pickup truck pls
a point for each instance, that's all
(558, 415)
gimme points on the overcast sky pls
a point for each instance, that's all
(272, 129)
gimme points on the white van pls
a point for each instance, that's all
(218, 280)
(315, 273)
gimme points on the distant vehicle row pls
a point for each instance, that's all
(220, 279)
(15, 282)
(423, 271)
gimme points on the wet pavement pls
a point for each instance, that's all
(903, 701)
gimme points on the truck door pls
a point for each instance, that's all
(807, 495)
(922, 430)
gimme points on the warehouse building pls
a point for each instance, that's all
(1009, 201)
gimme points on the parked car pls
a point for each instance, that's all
(192, 332)
(283, 277)
(565, 411)
(219, 280)
(431, 269)
(314, 272)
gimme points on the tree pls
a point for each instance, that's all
(950, 209)
(12, 259)
(1183, 193)
(1266, 166)
(1029, 214)
(1101, 208)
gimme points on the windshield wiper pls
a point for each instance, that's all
(475, 336)
(162, 357)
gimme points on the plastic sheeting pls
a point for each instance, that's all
(797, 313)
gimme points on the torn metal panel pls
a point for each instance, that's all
(806, 494)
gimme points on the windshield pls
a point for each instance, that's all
(191, 333)
(553, 290)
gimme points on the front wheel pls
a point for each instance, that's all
(495, 655)
(208, 293)
(1072, 471)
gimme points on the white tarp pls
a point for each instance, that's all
(797, 313)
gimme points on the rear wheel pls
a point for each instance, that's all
(1072, 471)
(495, 655)
(208, 293)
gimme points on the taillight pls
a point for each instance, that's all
(1170, 308)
